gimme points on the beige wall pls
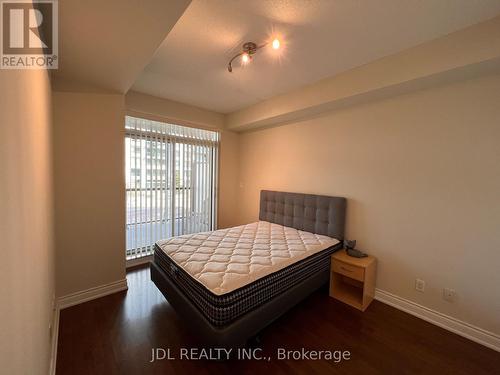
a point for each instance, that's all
(27, 266)
(89, 190)
(421, 174)
(163, 109)
(228, 179)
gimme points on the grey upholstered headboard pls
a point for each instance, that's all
(312, 213)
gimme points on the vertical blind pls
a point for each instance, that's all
(171, 174)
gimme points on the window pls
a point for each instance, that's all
(171, 174)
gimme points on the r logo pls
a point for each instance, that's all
(29, 28)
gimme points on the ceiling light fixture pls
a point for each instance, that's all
(245, 58)
(248, 50)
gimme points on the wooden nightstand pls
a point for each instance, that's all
(352, 280)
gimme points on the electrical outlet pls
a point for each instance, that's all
(449, 294)
(420, 285)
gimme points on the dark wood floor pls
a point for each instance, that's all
(115, 335)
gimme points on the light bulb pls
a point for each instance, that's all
(245, 58)
(276, 44)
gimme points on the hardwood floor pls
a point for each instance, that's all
(115, 335)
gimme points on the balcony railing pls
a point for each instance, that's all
(147, 224)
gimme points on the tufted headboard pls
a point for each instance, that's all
(312, 213)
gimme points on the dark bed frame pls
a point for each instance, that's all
(312, 213)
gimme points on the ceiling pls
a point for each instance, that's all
(107, 44)
(321, 38)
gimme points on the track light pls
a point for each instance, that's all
(248, 50)
(245, 58)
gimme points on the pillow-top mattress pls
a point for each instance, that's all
(231, 271)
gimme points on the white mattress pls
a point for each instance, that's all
(227, 259)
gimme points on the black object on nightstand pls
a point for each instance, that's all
(351, 251)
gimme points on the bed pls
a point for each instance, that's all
(229, 284)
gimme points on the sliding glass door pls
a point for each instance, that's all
(171, 174)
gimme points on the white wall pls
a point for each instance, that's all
(89, 183)
(421, 174)
(27, 266)
(454, 56)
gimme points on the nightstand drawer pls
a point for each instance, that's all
(357, 273)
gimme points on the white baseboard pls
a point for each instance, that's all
(54, 339)
(476, 334)
(92, 293)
